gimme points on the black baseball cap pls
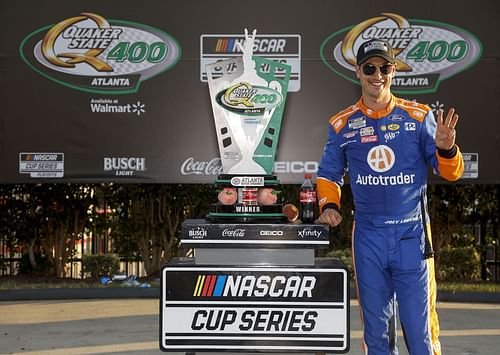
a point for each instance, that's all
(375, 48)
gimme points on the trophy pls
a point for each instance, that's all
(248, 100)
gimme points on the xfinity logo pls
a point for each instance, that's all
(307, 233)
(233, 233)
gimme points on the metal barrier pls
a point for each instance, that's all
(10, 267)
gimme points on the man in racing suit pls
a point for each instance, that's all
(387, 144)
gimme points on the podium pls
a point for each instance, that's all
(254, 288)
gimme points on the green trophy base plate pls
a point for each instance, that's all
(244, 213)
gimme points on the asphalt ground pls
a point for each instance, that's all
(130, 326)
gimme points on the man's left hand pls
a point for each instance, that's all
(445, 132)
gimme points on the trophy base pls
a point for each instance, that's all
(244, 204)
(244, 213)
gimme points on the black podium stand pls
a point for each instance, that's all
(254, 288)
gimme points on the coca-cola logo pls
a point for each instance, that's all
(192, 167)
(233, 233)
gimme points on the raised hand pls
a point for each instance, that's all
(445, 132)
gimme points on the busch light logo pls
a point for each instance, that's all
(124, 166)
(197, 233)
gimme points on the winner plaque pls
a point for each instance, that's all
(248, 101)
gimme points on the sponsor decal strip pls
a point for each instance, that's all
(253, 269)
(256, 241)
(236, 336)
(258, 303)
(284, 323)
(231, 347)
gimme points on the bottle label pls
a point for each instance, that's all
(249, 196)
(308, 196)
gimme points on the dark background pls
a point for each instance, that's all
(39, 115)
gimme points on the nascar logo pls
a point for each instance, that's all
(254, 286)
(282, 48)
(263, 45)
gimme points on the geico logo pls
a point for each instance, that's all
(45, 157)
(250, 320)
(262, 286)
(296, 167)
(138, 164)
(271, 232)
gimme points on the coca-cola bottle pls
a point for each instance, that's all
(307, 200)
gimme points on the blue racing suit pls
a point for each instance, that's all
(387, 155)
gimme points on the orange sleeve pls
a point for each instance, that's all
(328, 193)
(452, 168)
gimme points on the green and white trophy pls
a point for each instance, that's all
(248, 101)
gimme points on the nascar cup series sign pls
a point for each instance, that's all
(90, 53)
(254, 309)
(427, 52)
